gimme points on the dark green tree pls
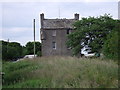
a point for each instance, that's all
(3, 46)
(24, 51)
(11, 50)
(30, 47)
(112, 44)
(12, 53)
(92, 32)
(17, 46)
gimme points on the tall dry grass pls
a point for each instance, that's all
(64, 72)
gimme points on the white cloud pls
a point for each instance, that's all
(59, 0)
(20, 34)
(17, 29)
(0, 21)
(101, 0)
(22, 14)
(18, 17)
(0, 33)
(23, 40)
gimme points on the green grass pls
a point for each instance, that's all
(61, 72)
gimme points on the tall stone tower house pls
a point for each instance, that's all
(54, 35)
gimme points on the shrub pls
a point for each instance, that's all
(39, 53)
(110, 48)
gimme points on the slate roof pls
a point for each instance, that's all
(58, 23)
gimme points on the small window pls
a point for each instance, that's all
(54, 45)
(68, 31)
(54, 33)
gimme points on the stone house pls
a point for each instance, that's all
(54, 35)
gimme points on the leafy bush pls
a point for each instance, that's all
(111, 46)
(11, 50)
(39, 53)
(30, 47)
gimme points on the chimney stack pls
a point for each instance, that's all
(42, 16)
(76, 16)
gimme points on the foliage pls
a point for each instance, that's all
(30, 47)
(17, 46)
(16, 71)
(11, 50)
(61, 72)
(92, 32)
(24, 51)
(39, 53)
(3, 48)
(111, 46)
(12, 53)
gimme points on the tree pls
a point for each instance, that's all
(39, 53)
(91, 32)
(11, 50)
(30, 47)
(4, 49)
(12, 53)
(17, 46)
(112, 45)
(24, 51)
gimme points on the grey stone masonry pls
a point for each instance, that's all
(54, 35)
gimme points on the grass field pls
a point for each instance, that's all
(61, 72)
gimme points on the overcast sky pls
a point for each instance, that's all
(17, 17)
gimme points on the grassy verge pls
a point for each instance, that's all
(61, 72)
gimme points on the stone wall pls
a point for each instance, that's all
(60, 39)
(60, 26)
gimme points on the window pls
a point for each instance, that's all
(68, 31)
(54, 33)
(54, 45)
